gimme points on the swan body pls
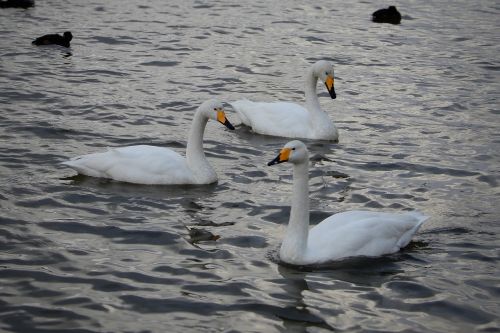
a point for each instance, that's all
(291, 120)
(144, 164)
(343, 235)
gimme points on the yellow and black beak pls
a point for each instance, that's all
(283, 156)
(329, 85)
(221, 118)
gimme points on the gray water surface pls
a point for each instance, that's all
(418, 116)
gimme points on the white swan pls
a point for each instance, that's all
(347, 234)
(292, 120)
(157, 165)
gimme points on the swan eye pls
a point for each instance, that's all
(293, 148)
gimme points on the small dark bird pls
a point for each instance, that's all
(387, 15)
(199, 235)
(54, 39)
(16, 3)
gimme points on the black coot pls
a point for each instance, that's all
(387, 15)
(54, 39)
(16, 3)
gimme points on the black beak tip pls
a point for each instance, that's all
(229, 125)
(332, 94)
(275, 161)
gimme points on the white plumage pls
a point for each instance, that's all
(361, 233)
(291, 120)
(343, 235)
(157, 165)
(135, 164)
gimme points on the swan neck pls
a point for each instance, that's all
(195, 155)
(294, 244)
(311, 81)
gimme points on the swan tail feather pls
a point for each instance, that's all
(240, 107)
(418, 219)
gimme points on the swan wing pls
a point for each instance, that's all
(278, 119)
(135, 164)
(361, 233)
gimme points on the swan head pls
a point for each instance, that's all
(323, 70)
(294, 152)
(213, 109)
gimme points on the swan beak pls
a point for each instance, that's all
(283, 156)
(329, 85)
(221, 118)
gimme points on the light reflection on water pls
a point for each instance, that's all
(417, 115)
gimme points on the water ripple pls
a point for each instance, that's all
(417, 111)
